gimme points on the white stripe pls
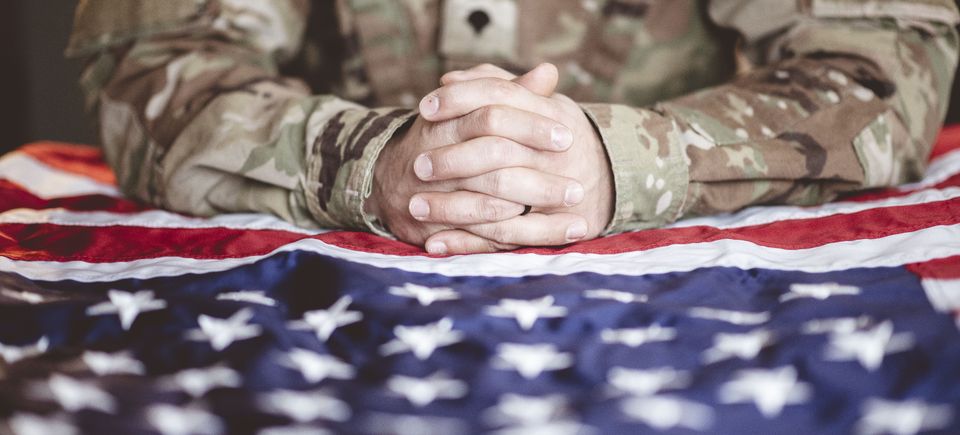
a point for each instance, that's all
(944, 294)
(47, 182)
(896, 250)
(767, 214)
(151, 219)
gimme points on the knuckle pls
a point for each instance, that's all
(501, 90)
(499, 151)
(497, 182)
(437, 211)
(441, 162)
(457, 244)
(501, 233)
(489, 118)
(491, 209)
(553, 193)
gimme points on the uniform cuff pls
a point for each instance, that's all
(649, 171)
(341, 163)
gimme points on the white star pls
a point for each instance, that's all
(304, 429)
(23, 295)
(423, 391)
(316, 367)
(221, 333)
(127, 306)
(530, 360)
(647, 382)
(12, 354)
(770, 390)
(197, 382)
(818, 291)
(121, 363)
(253, 297)
(74, 395)
(175, 420)
(422, 340)
(729, 316)
(425, 295)
(634, 337)
(616, 295)
(902, 418)
(527, 312)
(516, 409)
(743, 346)
(324, 322)
(668, 412)
(304, 406)
(413, 424)
(868, 346)
(556, 427)
(838, 325)
(29, 424)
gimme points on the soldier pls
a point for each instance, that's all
(654, 110)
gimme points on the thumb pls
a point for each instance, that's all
(541, 80)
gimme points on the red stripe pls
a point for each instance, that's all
(82, 160)
(944, 268)
(48, 242)
(13, 196)
(948, 140)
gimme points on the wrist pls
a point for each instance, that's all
(383, 171)
(647, 162)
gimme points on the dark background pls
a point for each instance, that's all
(40, 98)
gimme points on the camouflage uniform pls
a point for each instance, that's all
(703, 107)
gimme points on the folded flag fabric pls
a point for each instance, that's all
(118, 317)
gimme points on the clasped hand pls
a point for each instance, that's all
(487, 144)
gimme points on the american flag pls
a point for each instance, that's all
(120, 318)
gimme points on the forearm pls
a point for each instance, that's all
(200, 121)
(842, 104)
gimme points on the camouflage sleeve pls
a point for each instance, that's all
(836, 95)
(195, 117)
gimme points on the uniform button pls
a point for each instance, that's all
(479, 20)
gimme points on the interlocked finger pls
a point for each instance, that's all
(474, 157)
(462, 242)
(534, 229)
(531, 129)
(526, 186)
(461, 208)
(482, 70)
(460, 98)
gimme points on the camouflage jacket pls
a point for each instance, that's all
(211, 106)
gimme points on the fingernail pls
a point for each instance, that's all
(419, 208)
(429, 105)
(576, 231)
(437, 248)
(573, 195)
(561, 137)
(423, 167)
